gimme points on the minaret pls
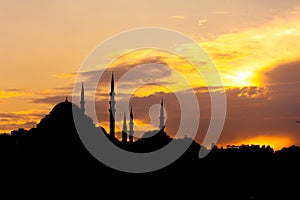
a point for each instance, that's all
(124, 130)
(161, 117)
(82, 102)
(112, 110)
(131, 126)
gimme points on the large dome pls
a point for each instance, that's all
(64, 110)
(56, 135)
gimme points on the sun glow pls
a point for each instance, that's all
(243, 57)
(242, 78)
(276, 142)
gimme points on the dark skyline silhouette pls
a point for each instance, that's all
(60, 113)
(54, 145)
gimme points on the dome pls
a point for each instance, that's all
(64, 110)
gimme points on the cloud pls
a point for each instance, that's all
(65, 75)
(255, 50)
(6, 128)
(230, 55)
(68, 88)
(20, 119)
(284, 74)
(52, 96)
(220, 12)
(122, 65)
(5, 94)
(271, 113)
(176, 17)
(10, 93)
(52, 100)
(201, 22)
(131, 72)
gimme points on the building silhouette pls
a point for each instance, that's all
(161, 117)
(55, 140)
(131, 131)
(82, 101)
(126, 135)
(54, 146)
(112, 109)
(124, 130)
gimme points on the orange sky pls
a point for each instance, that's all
(254, 44)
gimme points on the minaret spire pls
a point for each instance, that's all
(161, 117)
(131, 126)
(124, 130)
(112, 83)
(112, 109)
(82, 102)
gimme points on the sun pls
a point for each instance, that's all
(244, 78)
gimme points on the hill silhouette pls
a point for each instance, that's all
(54, 151)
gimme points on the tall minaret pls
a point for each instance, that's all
(161, 117)
(131, 126)
(112, 109)
(82, 102)
(124, 130)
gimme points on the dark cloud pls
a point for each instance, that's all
(52, 100)
(284, 74)
(145, 74)
(8, 115)
(251, 111)
(151, 73)
(4, 116)
(13, 121)
(14, 90)
(69, 88)
(266, 111)
(26, 125)
(227, 56)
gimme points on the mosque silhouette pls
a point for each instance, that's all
(55, 140)
(61, 117)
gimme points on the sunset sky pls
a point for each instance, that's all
(255, 45)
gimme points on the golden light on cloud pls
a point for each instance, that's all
(5, 94)
(202, 21)
(177, 17)
(168, 72)
(144, 126)
(23, 118)
(276, 142)
(12, 93)
(144, 90)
